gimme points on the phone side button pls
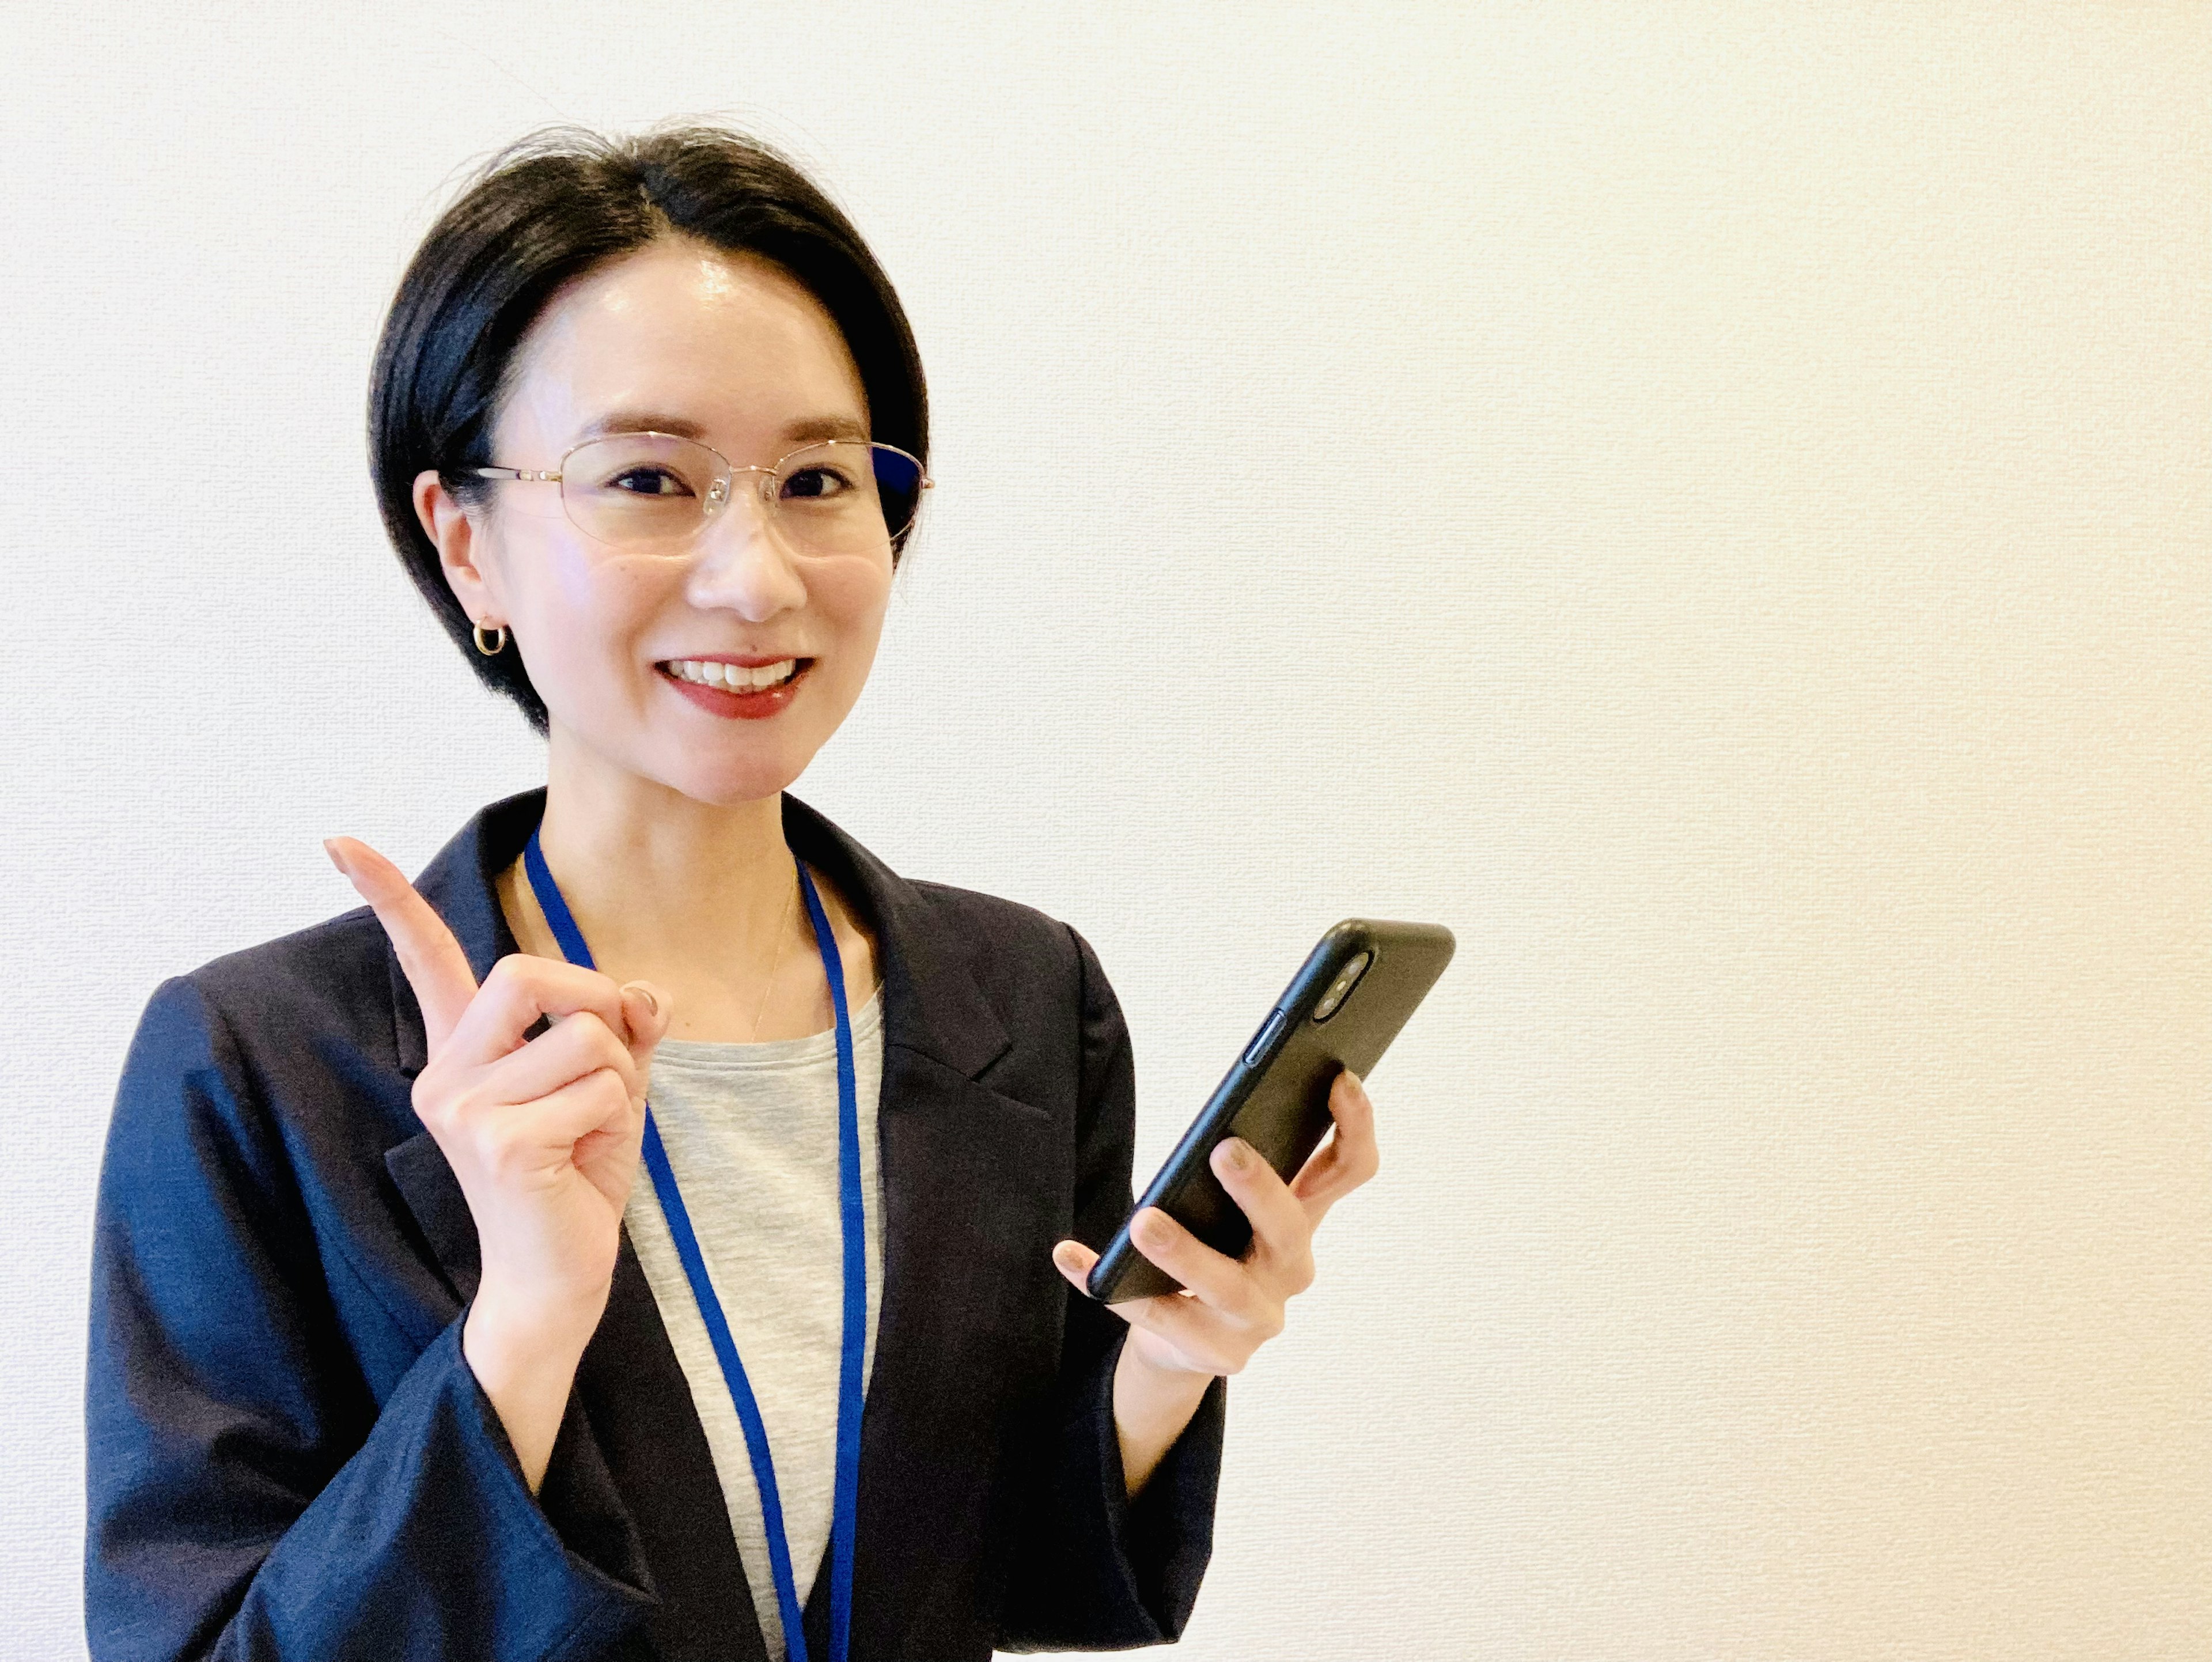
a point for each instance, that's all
(1273, 1026)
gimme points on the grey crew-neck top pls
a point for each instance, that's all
(752, 1135)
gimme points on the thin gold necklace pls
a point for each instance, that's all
(782, 933)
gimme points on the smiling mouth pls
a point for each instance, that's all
(734, 678)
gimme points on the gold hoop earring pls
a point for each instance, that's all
(491, 651)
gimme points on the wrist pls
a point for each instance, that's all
(525, 1350)
(1152, 1404)
(526, 1365)
(1153, 1394)
(525, 1321)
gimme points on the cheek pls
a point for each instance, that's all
(852, 595)
(586, 611)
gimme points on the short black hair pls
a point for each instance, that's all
(549, 208)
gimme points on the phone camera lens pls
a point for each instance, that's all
(1340, 988)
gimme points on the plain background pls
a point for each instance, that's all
(1710, 501)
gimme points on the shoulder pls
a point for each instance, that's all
(331, 979)
(294, 1032)
(1016, 940)
(1003, 925)
(1039, 973)
(1010, 949)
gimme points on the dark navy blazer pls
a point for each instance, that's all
(287, 1457)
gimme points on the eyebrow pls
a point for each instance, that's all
(804, 429)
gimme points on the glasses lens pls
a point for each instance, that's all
(641, 488)
(847, 497)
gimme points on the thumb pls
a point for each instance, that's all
(646, 1011)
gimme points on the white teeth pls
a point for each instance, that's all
(735, 677)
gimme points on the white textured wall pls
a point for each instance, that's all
(1710, 500)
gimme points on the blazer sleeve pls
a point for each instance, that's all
(1093, 1569)
(245, 1496)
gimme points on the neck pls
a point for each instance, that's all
(663, 885)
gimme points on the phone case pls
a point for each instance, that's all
(1276, 1095)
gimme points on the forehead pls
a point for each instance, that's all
(731, 343)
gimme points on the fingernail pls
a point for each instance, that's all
(336, 859)
(644, 990)
(1236, 1152)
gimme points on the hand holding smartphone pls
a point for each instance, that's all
(1357, 988)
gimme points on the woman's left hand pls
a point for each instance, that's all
(1231, 1307)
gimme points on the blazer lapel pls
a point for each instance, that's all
(974, 1184)
(971, 1183)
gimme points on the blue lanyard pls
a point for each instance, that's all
(846, 1509)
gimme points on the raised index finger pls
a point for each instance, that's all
(435, 967)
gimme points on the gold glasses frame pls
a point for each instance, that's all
(721, 492)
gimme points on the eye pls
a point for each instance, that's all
(644, 479)
(819, 480)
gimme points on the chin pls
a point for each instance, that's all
(737, 779)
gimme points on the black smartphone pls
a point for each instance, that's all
(1357, 987)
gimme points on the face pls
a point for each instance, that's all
(732, 350)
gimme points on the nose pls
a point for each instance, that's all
(742, 563)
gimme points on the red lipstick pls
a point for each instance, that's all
(752, 704)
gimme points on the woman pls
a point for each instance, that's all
(392, 1352)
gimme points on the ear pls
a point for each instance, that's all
(454, 534)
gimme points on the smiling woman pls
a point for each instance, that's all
(390, 1352)
(621, 550)
(693, 284)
